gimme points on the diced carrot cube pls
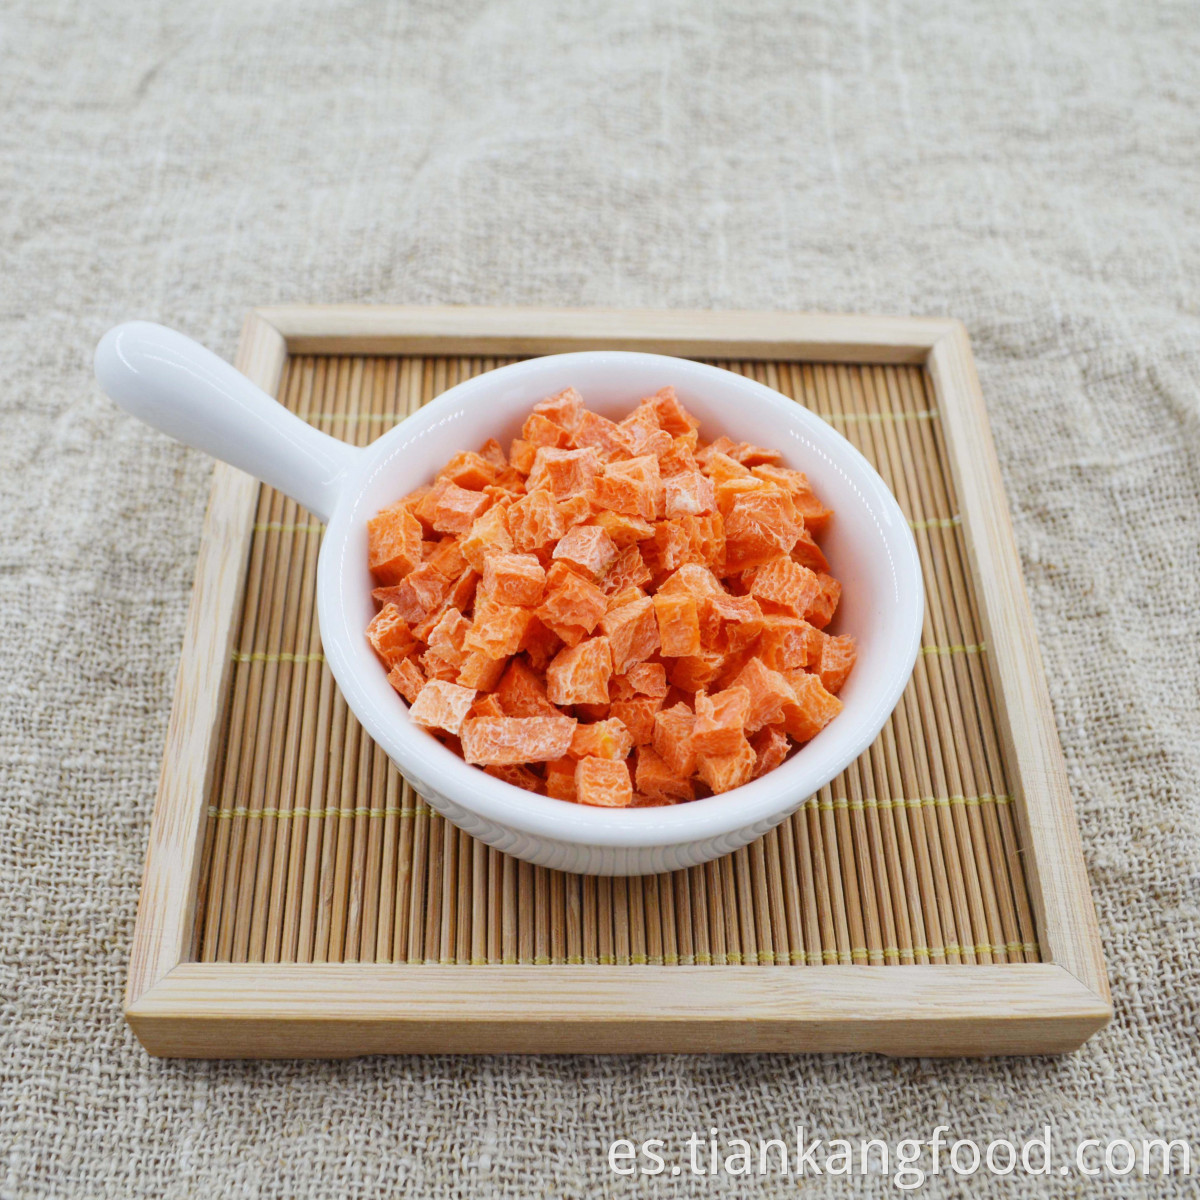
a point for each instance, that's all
(517, 775)
(540, 431)
(808, 554)
(785, 642)
(633, 487)
(628, 570)
(673, 729)
(602, 435)
(669, 549)
(573, 511)
(753, 456)
(412, 501)
(655, 780)
(572, 604)
(407, 679)
(498, 629)
(522, 692)
(564, 473)
(481, 671)
(730, 622)
(580, 674)
(641, 433)
(688, 493)
(560, 780)
(462, 590)
(565, 409)
(738, 487)
(442, 705)
(540, 644)
(423, 628)
(647, 679)
(836, 661)
(521, 455)
(603, 782)
(587, 546)
(393, 544)
(625, 596)
(509, 485)
(760, 526)
(771, 747)
(695, 671)
(601, 739)
(706, 540)
(814, 707)
(678, 624)
(514, 579)
(786, 584)
(486, 705)
(448, 636)
(694, 579)
(452, 509)
(504, 741)
(637, 715)
(535, 522)
(622, 528)
(721, 468)
(825, 603)
(721, 720)
(679, 459)
(390, 635)
(488, 535)
(815, 515)
(672, 416)
(632, 631)
(447, 559)
(732, 666)
(769, 691)
(719, 445)
(437, 666)
(492, 452)
(469, 470)
(724, 772)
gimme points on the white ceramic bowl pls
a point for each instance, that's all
(181, 388)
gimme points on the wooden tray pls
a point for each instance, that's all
(299, 900)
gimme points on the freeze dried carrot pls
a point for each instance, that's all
(721, 721)
(390, 635)
(442, 705)
(614, 612)
(393, 544)
(579, 674)
(601, 739)
(514, 579)
(507, 741)
(603, 782)
(632, 630)
(407, 679)
(587, 547)
(678, 624)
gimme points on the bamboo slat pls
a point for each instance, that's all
(318, 851)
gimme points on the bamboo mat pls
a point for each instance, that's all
(316, 850)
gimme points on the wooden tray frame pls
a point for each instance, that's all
(179, 1007)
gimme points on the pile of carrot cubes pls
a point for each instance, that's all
(612, 613)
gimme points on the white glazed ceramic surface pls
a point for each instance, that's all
(177, 386)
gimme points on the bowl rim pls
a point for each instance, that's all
(421, 756)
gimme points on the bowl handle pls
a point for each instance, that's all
(178, 386)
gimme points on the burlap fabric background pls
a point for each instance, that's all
(1032, 168)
